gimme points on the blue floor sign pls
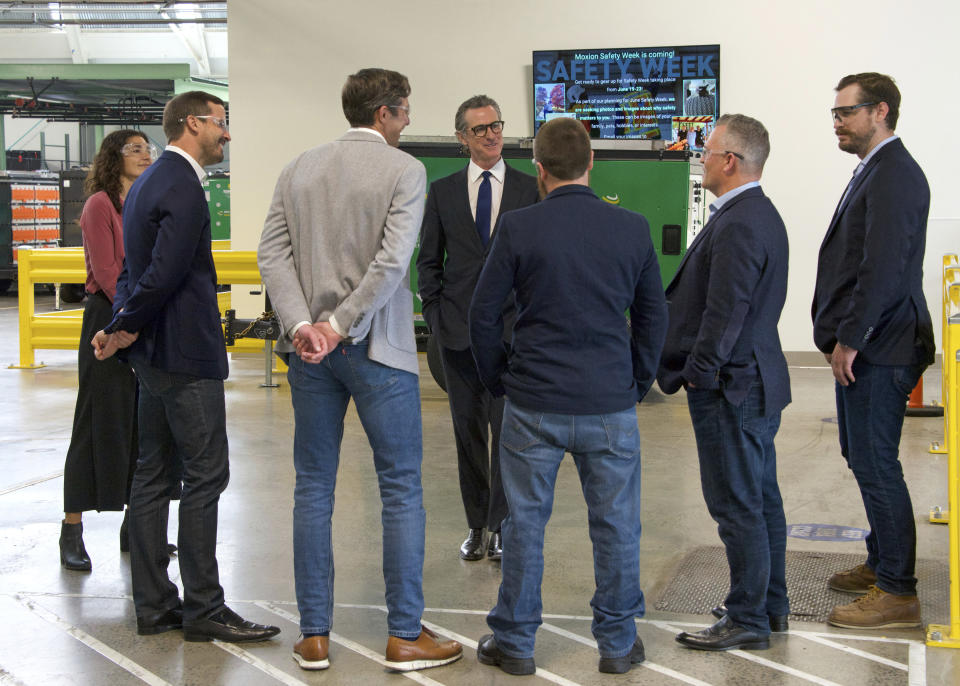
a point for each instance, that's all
(826, 532)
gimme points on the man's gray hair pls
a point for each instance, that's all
(460, 120)
(748, 137)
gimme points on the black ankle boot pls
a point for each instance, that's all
(125, 533)
(72, 553)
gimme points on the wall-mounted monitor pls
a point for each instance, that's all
(663, 93)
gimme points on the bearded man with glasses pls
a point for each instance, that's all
(870, 320)
(458, 224)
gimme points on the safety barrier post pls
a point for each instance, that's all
(948, 636)
(25, 306)
(951, 275)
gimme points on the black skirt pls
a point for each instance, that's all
(103, 447)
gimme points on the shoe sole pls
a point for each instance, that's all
(203, 638)
(887, 625)
(753, 645)
(311, 664)
(412, 665)
(517, 666)
(837, 587)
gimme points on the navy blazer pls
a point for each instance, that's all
(451, 254)
(576, 264)
(869, 290)
(167, 290)
(725, 302)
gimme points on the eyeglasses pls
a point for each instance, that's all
(222, 123)
(405, 108)
(707, 152)
(131, 149)
(481, 129)
(842, 113)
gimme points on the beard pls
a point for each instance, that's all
(858, 144)
(541, 187)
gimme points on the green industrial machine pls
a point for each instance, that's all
(217, 189)
(662, 185)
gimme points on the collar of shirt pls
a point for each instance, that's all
(201, 173)
(730, 195)
(863, 162)
(367, 129)
(497, 171)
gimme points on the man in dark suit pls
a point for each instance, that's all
(460, 216)
(723, 347)
(572, 378)
(870, 320)
(166, 311)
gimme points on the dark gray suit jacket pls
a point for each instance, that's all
(451, 254)
(725, 302)
(869, 292)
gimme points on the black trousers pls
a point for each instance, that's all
(477, 417)
(182, 427)
(103, 445)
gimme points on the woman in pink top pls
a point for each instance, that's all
(103, 447)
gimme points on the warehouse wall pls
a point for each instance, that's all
(288, 60)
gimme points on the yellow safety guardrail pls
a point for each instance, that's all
(948, 636)
(951, 275)
(61, 330)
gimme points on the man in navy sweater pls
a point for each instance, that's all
(572, 379)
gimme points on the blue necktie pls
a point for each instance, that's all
(483, 209)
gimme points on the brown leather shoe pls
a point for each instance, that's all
(877, 610)
(427, 651)
(856, 580)
(311, 653)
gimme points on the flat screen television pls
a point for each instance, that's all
(661, 93)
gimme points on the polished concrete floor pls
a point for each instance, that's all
(63, 627)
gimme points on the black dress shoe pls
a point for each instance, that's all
(495, 547)
(488, 653)
(226, 625)
(778, 623)
(160, 622)
(73, 555)
(622, 665)
(724, 635)
(472, 548)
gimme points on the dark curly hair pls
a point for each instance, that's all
(107, 166)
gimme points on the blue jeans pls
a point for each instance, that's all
(870, 416)
(183, 434)
(606, 450)
(738, 475)
(388, 403)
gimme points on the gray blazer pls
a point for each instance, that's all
(338, 240)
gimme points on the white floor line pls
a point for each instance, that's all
(693, 681)
(96, 645)
(262, 665)
(31, 482)
(817, 638)
(348, 644)
(746, 655)
(918, 664)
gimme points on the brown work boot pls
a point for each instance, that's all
(311, 653)
(878, 610)
(426, 651)
(856, 580)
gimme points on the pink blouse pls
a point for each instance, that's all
(102, 230)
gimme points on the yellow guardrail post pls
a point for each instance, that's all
(948, 636)
(25, 304)
(951, 275)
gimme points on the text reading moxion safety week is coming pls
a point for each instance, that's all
(613, 65)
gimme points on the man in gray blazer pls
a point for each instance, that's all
(334, 256)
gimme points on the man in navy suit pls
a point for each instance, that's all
(459, 219)
(870, 320)
(166, 311)
(723, 347)
(572, 378)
